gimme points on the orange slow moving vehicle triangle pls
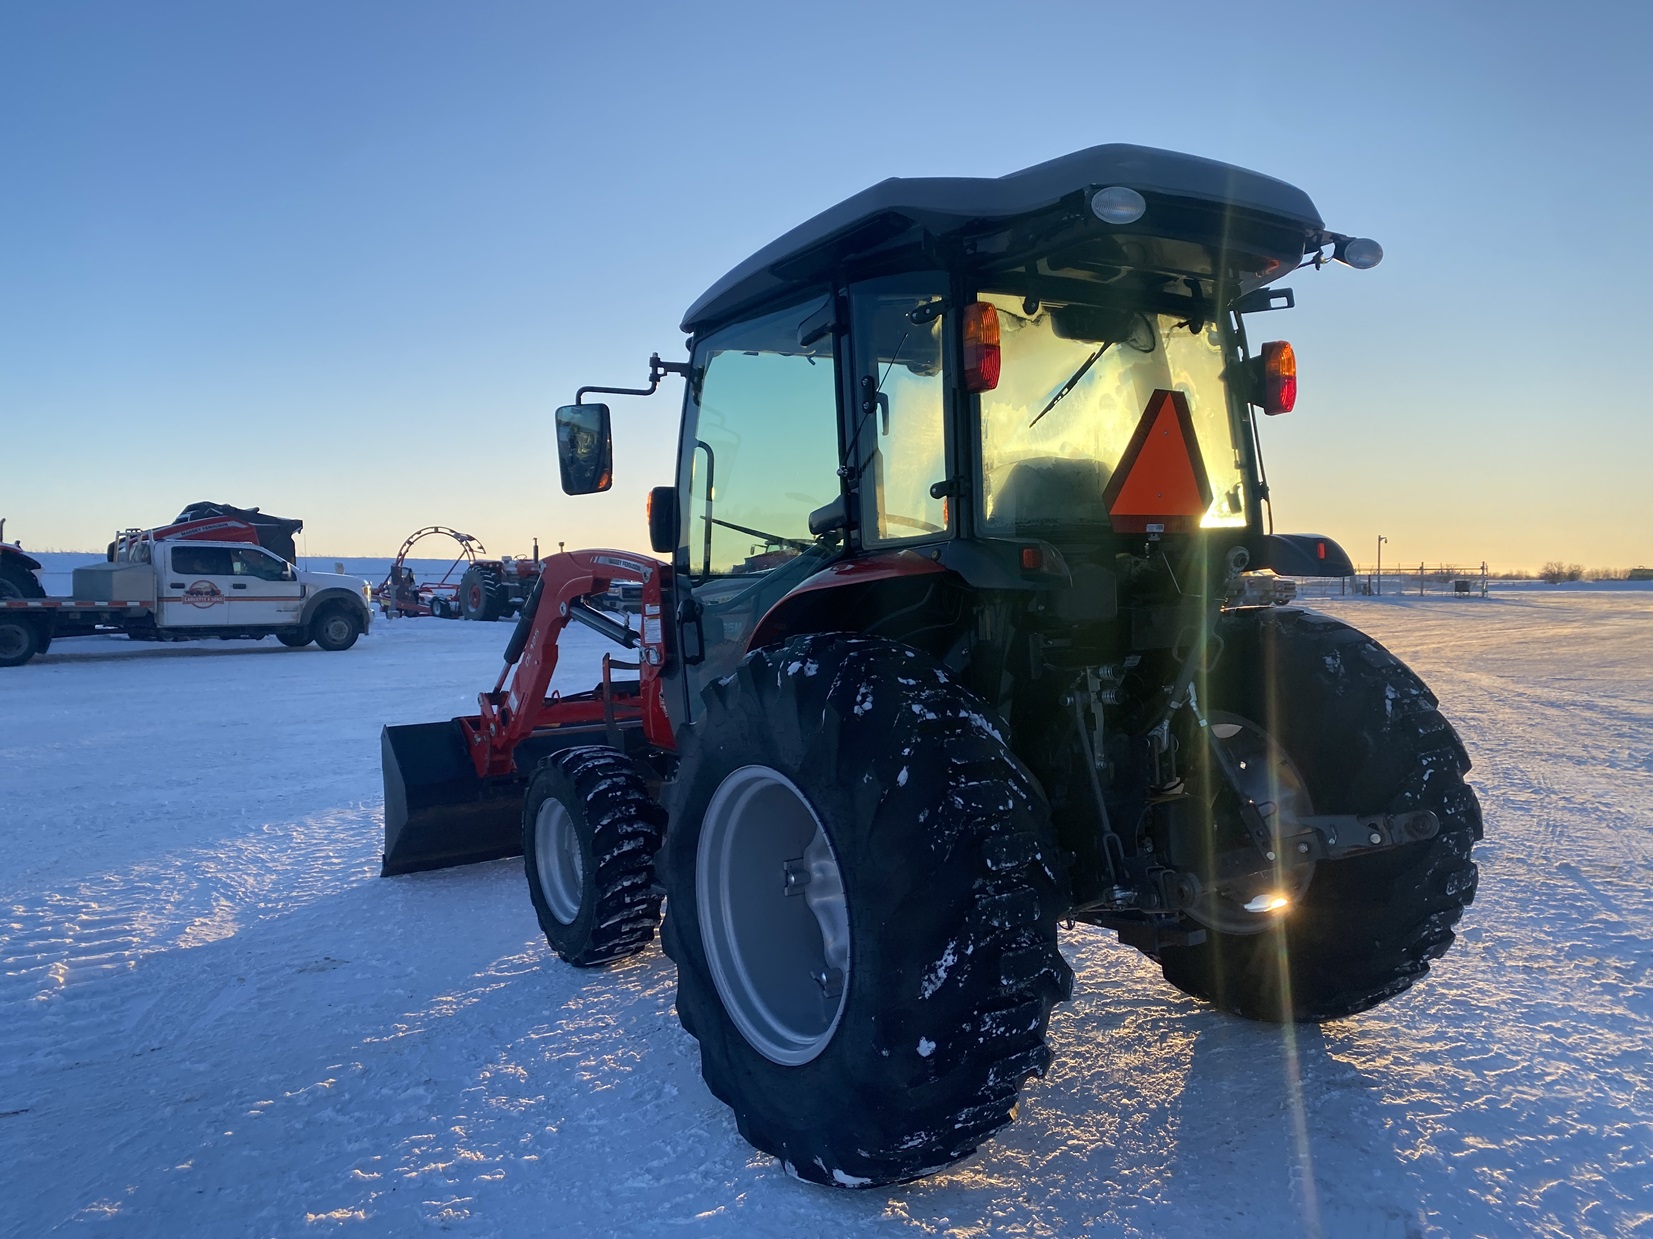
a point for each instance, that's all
(1161, 479)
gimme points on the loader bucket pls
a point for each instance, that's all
(438, 811)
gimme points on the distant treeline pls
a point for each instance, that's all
(1556, 572)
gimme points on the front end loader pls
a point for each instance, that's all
(956, 636)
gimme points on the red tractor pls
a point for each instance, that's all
(950, 643)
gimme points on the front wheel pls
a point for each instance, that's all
(862, 898)
(590, 830)
(336, 628)
(1362, 734)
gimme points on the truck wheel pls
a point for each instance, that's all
(20, 640)
(1365, 736)
(296, 639)
(336, 628)
(590, 830)
(862, 897)
(481, 595)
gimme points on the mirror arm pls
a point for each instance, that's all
(657, 370)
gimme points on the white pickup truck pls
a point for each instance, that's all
(182, 590)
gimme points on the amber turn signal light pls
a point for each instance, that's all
(1276, 373)
(981, 347)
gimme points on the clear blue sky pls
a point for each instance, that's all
(343, 260)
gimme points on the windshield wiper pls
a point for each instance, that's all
(1072, 382)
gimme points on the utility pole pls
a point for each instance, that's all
(1377, 588)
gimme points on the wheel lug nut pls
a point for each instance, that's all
(1303, 849)
(1375, 837)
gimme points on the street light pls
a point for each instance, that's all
(1378, 589)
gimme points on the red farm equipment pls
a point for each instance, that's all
(952, 642)
(400, 593)
(218, 522)
(485, 589)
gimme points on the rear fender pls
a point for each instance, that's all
(1300, 554)
(855, 596)
(17, 555)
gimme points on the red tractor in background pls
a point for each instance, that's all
(18, 570)
(487, 589)
(993, 665)
(498, 588)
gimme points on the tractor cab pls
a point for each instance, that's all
(1039, 385)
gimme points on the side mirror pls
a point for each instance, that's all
(585, 448)
(663, 519)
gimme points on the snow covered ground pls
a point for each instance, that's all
(216, 1020)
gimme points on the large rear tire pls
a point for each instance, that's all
(1367, 737)
(296, 639)
(590, 831)
(862, 900)
(481, 594)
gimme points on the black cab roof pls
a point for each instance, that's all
(1198, 198)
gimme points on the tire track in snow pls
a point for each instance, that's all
(77, 966)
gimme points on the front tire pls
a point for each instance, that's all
(336, 628)
(590, 831)
(862, 898)
(1366, 735)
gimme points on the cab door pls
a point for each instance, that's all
(761, 451)
(264, 588)
(195, 585)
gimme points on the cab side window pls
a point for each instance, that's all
(899, 442)
(202, 560)
(260, 564)
(766, 444)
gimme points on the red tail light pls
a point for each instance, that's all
(1277, 389)
(981, 347)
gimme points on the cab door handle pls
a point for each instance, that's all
(239, 585)
(175, 585)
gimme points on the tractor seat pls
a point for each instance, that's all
(1048, 490)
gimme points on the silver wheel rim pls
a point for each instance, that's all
(557, 860)
(338, 629)
(773, 917)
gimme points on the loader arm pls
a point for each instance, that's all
(454, 789)
(517, 704)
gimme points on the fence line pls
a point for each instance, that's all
(1449, 580)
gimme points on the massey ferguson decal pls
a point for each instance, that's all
(203, 594)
